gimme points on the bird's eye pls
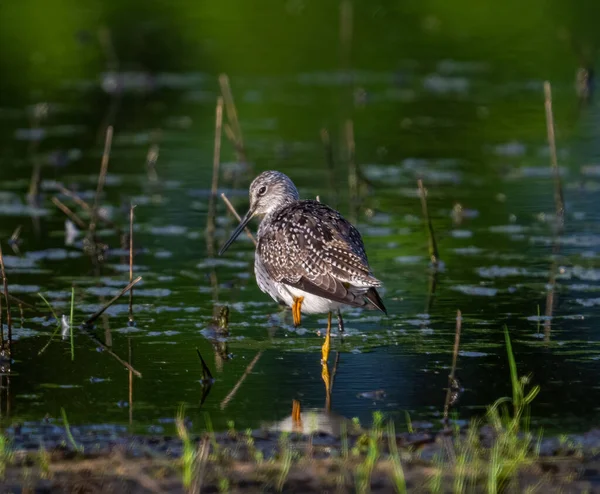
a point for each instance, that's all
(262, 190)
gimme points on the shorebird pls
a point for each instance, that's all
(308, 256)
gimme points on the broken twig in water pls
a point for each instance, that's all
(111, 353)
(85, 206)
(96, 315)
(558, 193)
(248, 370)
(451, 376)
(433, 249)
(70, 214)
(237, 216)
(7, 300)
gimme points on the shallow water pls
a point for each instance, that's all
(469, 122)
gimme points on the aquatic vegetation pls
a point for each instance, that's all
(70, 437)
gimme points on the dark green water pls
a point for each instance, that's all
(450, 94)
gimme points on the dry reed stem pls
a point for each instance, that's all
(130, 396)
(328, 149)
(352, 173)
(101, 177)
(210, 225)
(451, 377)
(558, 193)
(85, 206)
(97, 314)
(433, 249)
(7, 300)
(1, 327)
(200, 464)
(346, 29)
(70, 214)
(132, 207)
(232, 115)
(237, 216)
(36, 173)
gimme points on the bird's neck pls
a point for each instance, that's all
(268, 217)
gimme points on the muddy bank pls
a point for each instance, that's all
(44, 458)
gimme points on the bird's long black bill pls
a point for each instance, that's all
(245, 220)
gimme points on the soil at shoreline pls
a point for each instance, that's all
(42, 458)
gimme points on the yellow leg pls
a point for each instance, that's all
(327, 344)
(296, 417)
(296, 310)
(327, 380)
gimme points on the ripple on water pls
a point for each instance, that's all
(408, 259)
(461, 233)
(476, 290)
(468, 251)
(168, 230)
(213, 263)
(507, 271)
(510, 229)
(466, 353)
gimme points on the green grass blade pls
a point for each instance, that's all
(514, 376)
(70, 437)
(71, 322)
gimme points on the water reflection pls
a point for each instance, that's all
(468, 124)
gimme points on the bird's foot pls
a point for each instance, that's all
(296, 310)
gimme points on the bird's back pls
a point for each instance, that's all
(309, 239)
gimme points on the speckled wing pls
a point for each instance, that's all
(310, 246)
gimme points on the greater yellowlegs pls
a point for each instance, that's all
(307, 256)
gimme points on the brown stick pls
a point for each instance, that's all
(232, 393)
(72, 195)
(451, 377)
(7, 300)
(237, 216)
(210, 225)
(558, 193)
(131, 262)
(101, 177)
(239, 149)
(70, 214)
(433, 249)
(97, 314)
